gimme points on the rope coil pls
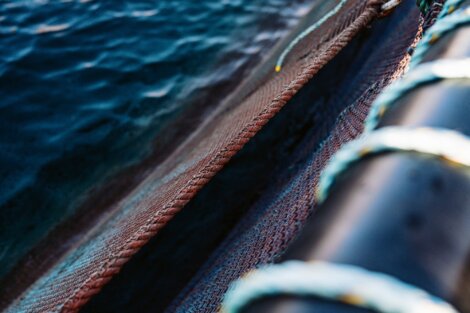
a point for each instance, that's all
(338, 282)
(440, 143)
(444, 24)
(423, 74)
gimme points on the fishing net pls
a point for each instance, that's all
(271, 224)
(328, 80)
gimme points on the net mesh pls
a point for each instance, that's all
(272, 222)
(270, 225)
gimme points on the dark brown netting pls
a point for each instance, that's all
(100, 255)
(270, 225)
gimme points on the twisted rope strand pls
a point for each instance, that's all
(386, 7)
(423, 74)
(443, 25)
(344, 283)
(440, 143)
(305, 33)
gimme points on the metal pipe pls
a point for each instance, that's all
(401, 214)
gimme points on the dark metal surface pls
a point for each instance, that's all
(402, 214)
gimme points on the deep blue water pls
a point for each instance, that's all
(85, 87)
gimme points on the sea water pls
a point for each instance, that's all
(85, 87)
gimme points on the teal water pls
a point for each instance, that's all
(86, 86)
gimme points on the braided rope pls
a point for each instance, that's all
(344, 283)
(443, 25)
(423, 74)
(441, 143)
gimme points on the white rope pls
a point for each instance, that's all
(442, 143)
(390, 5)
(344, 283)
(445, 23)
(447, 69)
(305, 33)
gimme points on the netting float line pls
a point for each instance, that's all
(443, 144)
(337, 282)
(423, 74)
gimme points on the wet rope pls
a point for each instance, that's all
(445, 23)
(386, 7)
(444, 144)
(423, 74)
(305, 33)
(344, 283)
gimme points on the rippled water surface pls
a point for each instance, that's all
(85, 86)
